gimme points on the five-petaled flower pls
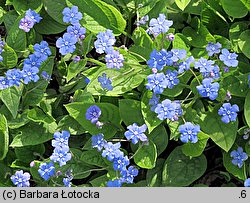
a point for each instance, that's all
(238, 157)
(228, 112)
(189, 132)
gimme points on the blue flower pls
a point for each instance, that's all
(189, 132)
(228, 112)
(45, 75)
(4, 83)
(104, 42)
(71, 15)
(185, 65)
(208, 89)
(160, 59)
(214, 72)
(204, 65)
(66, 182)
(98, 141)
(136, 133)
(114, 59)
(154, 101)
(229, 59)
(112, 151)
(178, 54)
(157, 82)
(93, 113)
(172, 79)
(29, 74)
(33, 15)
(249, 80)
(26, 24)
(14, 77)
(61, 155)
(21, 179)
(46, 170)
(143, 20)
(106, 83)
(76, 30)
(159, 25)
(128, 175)
(213, 48)
(66, 44)
(114, 183)
(238, 157)
(33, 61)
(42, 50)
(178, 110)
(247, 182)
(165, 109)
(61, 139)
(120, 163)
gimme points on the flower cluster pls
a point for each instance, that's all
(21, 179)
(120, 161)
(29, 20)
(238, 157)
(30, 70)
(75, 32)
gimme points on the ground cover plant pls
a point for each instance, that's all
(124, 93)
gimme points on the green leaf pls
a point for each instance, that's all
(130, 111)
(38, 115)
(9, 57)
(149, 116)
(235, 170)
(104, 14)
(154, 176)
(244, 43)
(75, 68)
(246, 3)
(110, 116)
(11, 98)
(234, 8)
(182, 4)
(196, 149)
(4, 137)
(221, 133)
(54, 9)
(29, 153)
(31, 134)
(93, 157)
(180, 170)
(180, 42)
(9, 19)
(159, 137)
(23, 5)
(70, 124)
(247, 108)
(16, 37)
(146, 156)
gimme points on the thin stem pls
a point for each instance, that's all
(195, 76)
(95, 61)
(91, 170)
(119, 140)
(140, 146)
(32, 89)
(131, 52)
(186, 97)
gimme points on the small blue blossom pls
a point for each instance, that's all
(159, 25)
(189, 132)
(61, 139)
(114, 183)
(21, 179)
(247, 182)
(160, 59)
(30, 74)
(215, 72)
(229, 59)
(45, 75)
(42, 50)
(14, 77)
(249, 80)
(228, 112)
(143, 20)
(208, 89)
(136, 133)
(66, 182)
(178, 110)
(185, 65)
(213, 48)
(129, 174)
(178, 54)
(171, 77)
(157, 82)
(114, 59)
(61, 155)
(33, 15)
(4, 83)
(26, 24)
(66, 44)
(238, 157)
(105, 41)
(112, 151)
(165, 109)
(154, 101)
(76, 30)
(120, 163)
(46, 170)
(106, 83)
(33, 61)
(71, 15)
(204, 65)
(93, 113)
(98, 141)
